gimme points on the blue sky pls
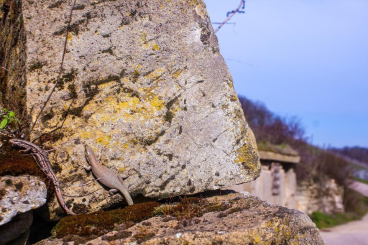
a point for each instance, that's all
(307, 58)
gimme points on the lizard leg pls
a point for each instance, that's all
(26, 150)
(112, 192)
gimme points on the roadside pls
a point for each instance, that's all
(352, 233)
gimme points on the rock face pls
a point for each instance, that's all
(19, 195)
(143, 83)
(240, 218)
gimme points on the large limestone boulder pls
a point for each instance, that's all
(238, 218)
(143, 83)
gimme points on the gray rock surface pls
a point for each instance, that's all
(19, 194)
(243, 219)
(145, 85)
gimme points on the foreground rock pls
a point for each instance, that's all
(143, 82)
(229, 219)
(18, 197)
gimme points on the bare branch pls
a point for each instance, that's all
(231, 14)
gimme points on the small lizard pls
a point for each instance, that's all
(43, 162)
(106, 176)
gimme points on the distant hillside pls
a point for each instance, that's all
(357, 153)
(273, 130)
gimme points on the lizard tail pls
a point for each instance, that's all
(60, 198)
(127, 196)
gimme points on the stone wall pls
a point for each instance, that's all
(262, 187)
(324, 197)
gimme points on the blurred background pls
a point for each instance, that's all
(300, 69)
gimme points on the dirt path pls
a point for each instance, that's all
(352, 233)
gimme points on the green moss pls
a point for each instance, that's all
(101, 222)
(326, 221)
(191, 207)
(283, 149)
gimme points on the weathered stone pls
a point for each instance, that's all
(240, 218)
(325, 196)
(19, 195)
(17, 230)
(145, 84)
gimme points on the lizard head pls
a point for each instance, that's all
(89, 152)
(15, 141)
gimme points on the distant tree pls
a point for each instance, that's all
(357, 153)
(270, 127)
(316, 163)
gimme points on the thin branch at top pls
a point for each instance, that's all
(231, 14)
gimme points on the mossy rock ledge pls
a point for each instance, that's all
(236, 218)
(143, 83)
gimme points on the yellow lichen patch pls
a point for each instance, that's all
(136, 66)
(130, 104)
(104, 140)
(177, 73)
(156, 47)
(257, 238)
(193, 2)
(157, 103)
(104, 85)
(108, 118)
(121, 27)
(153, 76)
(246, 157)
(121, 169)
(125, 145)
(86, 135)
(70, 36)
